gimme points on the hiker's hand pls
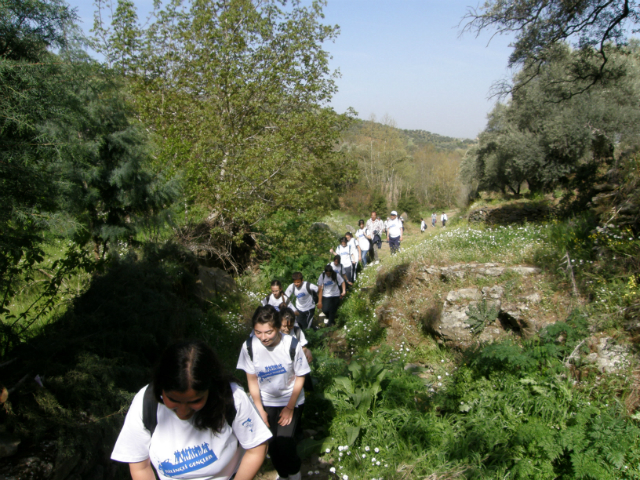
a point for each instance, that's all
(265, 417)
(297, 312)
(319, 305)
(307, 353)
(285, 417)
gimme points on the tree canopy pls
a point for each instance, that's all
(538, 139)
(592, 26)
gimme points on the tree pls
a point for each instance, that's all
(556, 143)
(594, 26)
(237, 93)
(111, 191)
(34, 94)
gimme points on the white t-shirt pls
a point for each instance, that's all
(394, 227)
(330, 288)
(363, 241)
(345, 254)
(339, 269)
(178, 450)
(304, 301)
(443, 217)
(353, 245)
(275, 370)
(276, 302)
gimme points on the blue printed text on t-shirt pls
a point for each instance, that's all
(188, 460)
(271, 371)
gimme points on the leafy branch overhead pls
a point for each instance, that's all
(540, 25)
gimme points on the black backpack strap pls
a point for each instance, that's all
(292, 348)
(249, 343)
(308, 288)
(149, 409)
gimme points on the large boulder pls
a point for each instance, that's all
(213, 282)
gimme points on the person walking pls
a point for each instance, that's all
(331, 289)
(355, 255)
(306, 297)
(423, 225)
(275, 365)
(443, 219)
(434, 219)
(363, 236)
(193, 421)
(344, 250)
(394, 232)
(376, 227)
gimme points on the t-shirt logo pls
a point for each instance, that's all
(248, 423)
(188, 460)
(271, 371)
(328, 283)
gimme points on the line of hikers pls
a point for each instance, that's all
(194, 421)
(434, 218)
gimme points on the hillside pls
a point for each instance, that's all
(441, 142)
(478, 351)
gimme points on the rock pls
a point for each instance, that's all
(524, 271)
(533, 298)
(495, 292)
(464, 294)
(212, 282)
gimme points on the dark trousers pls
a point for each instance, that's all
(282, 446)
(330, 308)
(305, 319)
(394, 244)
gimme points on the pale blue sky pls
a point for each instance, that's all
(404, 59)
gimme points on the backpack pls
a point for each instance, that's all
(150, 410)
(292, 348)
(313, 294)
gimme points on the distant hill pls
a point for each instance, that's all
(422, 137)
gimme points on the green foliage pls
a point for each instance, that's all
(361, 326)
(481, 315)
(539, 26)
(378, 203)
(238, 94)
(294, 243)
(113, 194)
(409, 203)
(102, 349)
(546, 137)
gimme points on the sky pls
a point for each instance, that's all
(403, 60)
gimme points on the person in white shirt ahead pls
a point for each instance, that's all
(354, 248)
(204, 428)
(277, 298)
(302, 292)
(275, 369)
(331, 289)
(345, 251)
(394, 231)
(363, 237)
(376, 227)
(443, 219)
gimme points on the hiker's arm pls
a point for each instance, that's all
(320, 288)
(142, 470)
(287, 412)
(254, 390)
(308, 354)
(251, 462)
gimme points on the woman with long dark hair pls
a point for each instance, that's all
(193, 422)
